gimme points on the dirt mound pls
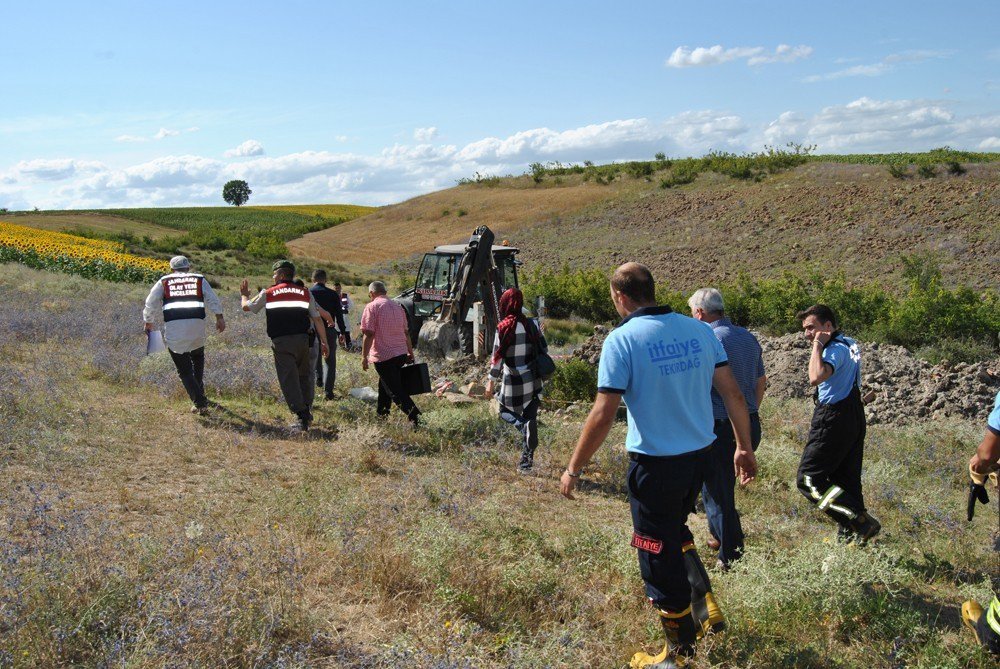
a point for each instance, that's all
(900, 387)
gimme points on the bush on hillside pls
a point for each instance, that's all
(573, 381)
(961, 319)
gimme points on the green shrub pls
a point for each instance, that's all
(537, 172)
(574, 381)
(267, 247)
(927, 314)
(584, 293)
(954, 168)
(682, 172)
(927, 170)
(898, 170)
(956, 350)
(961, 321)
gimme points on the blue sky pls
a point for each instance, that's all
(139, 104)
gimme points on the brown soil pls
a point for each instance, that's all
(853, 219)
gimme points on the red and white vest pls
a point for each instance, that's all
(183, 297)
(287, 309)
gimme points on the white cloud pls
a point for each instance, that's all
(58, 169)
(887, 64)
(404, 170)
(754, 55)
(251, 147)
(867, 125)
(425, 134)
(164, 132)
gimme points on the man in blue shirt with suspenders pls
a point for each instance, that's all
(830, 470)
(665, 365)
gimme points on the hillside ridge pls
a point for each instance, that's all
(853, 219)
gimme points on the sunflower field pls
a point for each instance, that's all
(92, 258)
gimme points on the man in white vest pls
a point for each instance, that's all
(183, 298)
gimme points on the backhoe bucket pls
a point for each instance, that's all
(439, 340)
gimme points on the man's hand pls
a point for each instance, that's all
(324, 349)
(489, 388)
(341, 340)
(147, 327)
(980, 467)
(822, 336)
(220, 323)
(245, 288)
(364, 363)
(566, 485)
(409, 357)
(745, 463)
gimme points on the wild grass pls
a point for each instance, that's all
(135, 534)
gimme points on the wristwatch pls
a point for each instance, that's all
(574, 475)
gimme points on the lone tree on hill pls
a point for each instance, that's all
(236, 192)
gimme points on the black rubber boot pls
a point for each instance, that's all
(707, 614)
(865, 527)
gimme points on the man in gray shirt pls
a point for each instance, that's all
(746, 361)
(183, 298)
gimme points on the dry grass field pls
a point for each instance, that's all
(136, 534)
(449, 216)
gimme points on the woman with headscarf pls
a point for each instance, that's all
(515, 347)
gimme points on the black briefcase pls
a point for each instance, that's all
(416, 379)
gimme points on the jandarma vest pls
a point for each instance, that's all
(287, 310)
(183, 297)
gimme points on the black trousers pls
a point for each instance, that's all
(191, 368)
(830, 470)
(662, 493)
(331, 363)
(390, 389)
(719, 491)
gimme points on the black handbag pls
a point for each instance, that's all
(543, 365)
(415, 378)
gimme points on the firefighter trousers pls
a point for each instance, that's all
(830, 470)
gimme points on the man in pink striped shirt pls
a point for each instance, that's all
(387, 346)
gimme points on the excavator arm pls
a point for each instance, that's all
(476, 270)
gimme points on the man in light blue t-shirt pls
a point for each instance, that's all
(830, 470)
(665, 365)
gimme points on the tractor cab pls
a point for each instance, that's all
(436, 276)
